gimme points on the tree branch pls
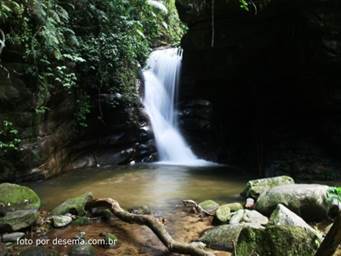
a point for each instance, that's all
(153, 223)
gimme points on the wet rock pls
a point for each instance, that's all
(222, 214)
(223, 237)
(277, 241)
(248, 216)
(18, 207)
(39, 251)
(12, 237)
(209, 206)
(82, 249)
(283, 216)
(61, 221)
(74, 205)
(307, 200)
(255, 187)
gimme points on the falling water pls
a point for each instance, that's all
(161, 77)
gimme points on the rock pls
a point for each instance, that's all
(74, 205)
(248, 216)
(39, 251)
(82, 249)
(12, 237)
(209, 206)
(250, 203)
(19, 207)
(235, 206)
(277, 241)
(82, 221)
(283, 216)
(255, 187)
(61, 221)
(110, 240)
(223, 214)
(223, 237)
(307, 200)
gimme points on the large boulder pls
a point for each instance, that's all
(255, 187)
(74, 205)
(277, 241)
(19, 207)
(248, 216)
(225, 236)
(307, 200)
(283, 216)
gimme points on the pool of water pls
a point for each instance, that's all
(157, 186)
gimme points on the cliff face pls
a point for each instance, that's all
(52, 142)
(262, 88)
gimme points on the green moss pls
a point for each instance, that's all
(255, 187)
(18, 197)
(74, 205)
(81, 221)
(223, 214)
(209, 206)
(277, 241)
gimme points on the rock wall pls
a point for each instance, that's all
(51, 142)
(261, 88)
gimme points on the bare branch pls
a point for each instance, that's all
(153, 223)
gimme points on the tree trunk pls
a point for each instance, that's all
(153, 223)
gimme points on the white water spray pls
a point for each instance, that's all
(161, 77)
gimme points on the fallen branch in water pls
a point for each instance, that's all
(333, 238)
(153, 223)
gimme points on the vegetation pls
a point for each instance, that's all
(85, 46)
(9, 140)
(334, 194)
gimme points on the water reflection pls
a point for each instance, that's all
(155, 185)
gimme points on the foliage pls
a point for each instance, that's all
(334, 194)
(244, 5)
(9, 140)
(85, 47)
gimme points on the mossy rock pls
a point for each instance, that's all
(209, 206)
(255, 187)
(277, 241)
(110, 240)
(310, 201)
(19, 207)
(74, 205)
(235, 206)
(223, 237)
(223, 214)
(82, 221)
(82, 250)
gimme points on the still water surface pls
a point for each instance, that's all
(159, 186)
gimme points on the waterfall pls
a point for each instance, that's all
(161, 77)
